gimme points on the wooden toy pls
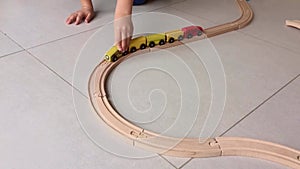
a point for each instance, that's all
(113, 54)
(191, 31)
(172, 36)
(155, 39)
(184, 147)
(137, 43)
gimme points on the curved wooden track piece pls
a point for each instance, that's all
(186, 147)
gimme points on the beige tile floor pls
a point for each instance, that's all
(38, 52)
(7, 45)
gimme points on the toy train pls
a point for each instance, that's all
(142, 42)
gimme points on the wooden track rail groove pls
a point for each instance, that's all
(186, 147)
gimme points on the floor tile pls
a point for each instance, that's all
(29, 29)
(61, 55)
(215, 11)
(176, 161)
(49, 24)
(232, 163)
(194, 20)
(276, 121)
(7, 45)
(254, 71)
(269, 22)
(42, 129)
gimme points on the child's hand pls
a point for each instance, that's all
(123, 32)
(86, 14)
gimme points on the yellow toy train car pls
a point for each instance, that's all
(138, 43)
(172, 36)
(113, 54)
(155, 39)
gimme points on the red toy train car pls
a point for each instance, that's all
(191, 31)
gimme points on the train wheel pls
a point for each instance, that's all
(151, 44)
(171, 40)
(143, 46)
(180, 38)
(189, 36)
(199, 33)
(133, 49)
(125, 53)
(162, 42)
(114, 58)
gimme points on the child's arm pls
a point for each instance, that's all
(86, 13)
(123, 24)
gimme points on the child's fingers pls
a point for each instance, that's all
(119, 45)
(88, 18)
(123, 45)
(128, 42)
(118, 39)
(71, 19)
(79, 18)
(124, 39)
(68, 20)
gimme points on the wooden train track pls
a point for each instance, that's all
(186, 147)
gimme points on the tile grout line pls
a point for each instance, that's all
(51, 70)
(45, 43)
(186, 163)
(268, 42)
(64, 37)
(261, 104)
(3, 56)
(167, 161)
(22, 49)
